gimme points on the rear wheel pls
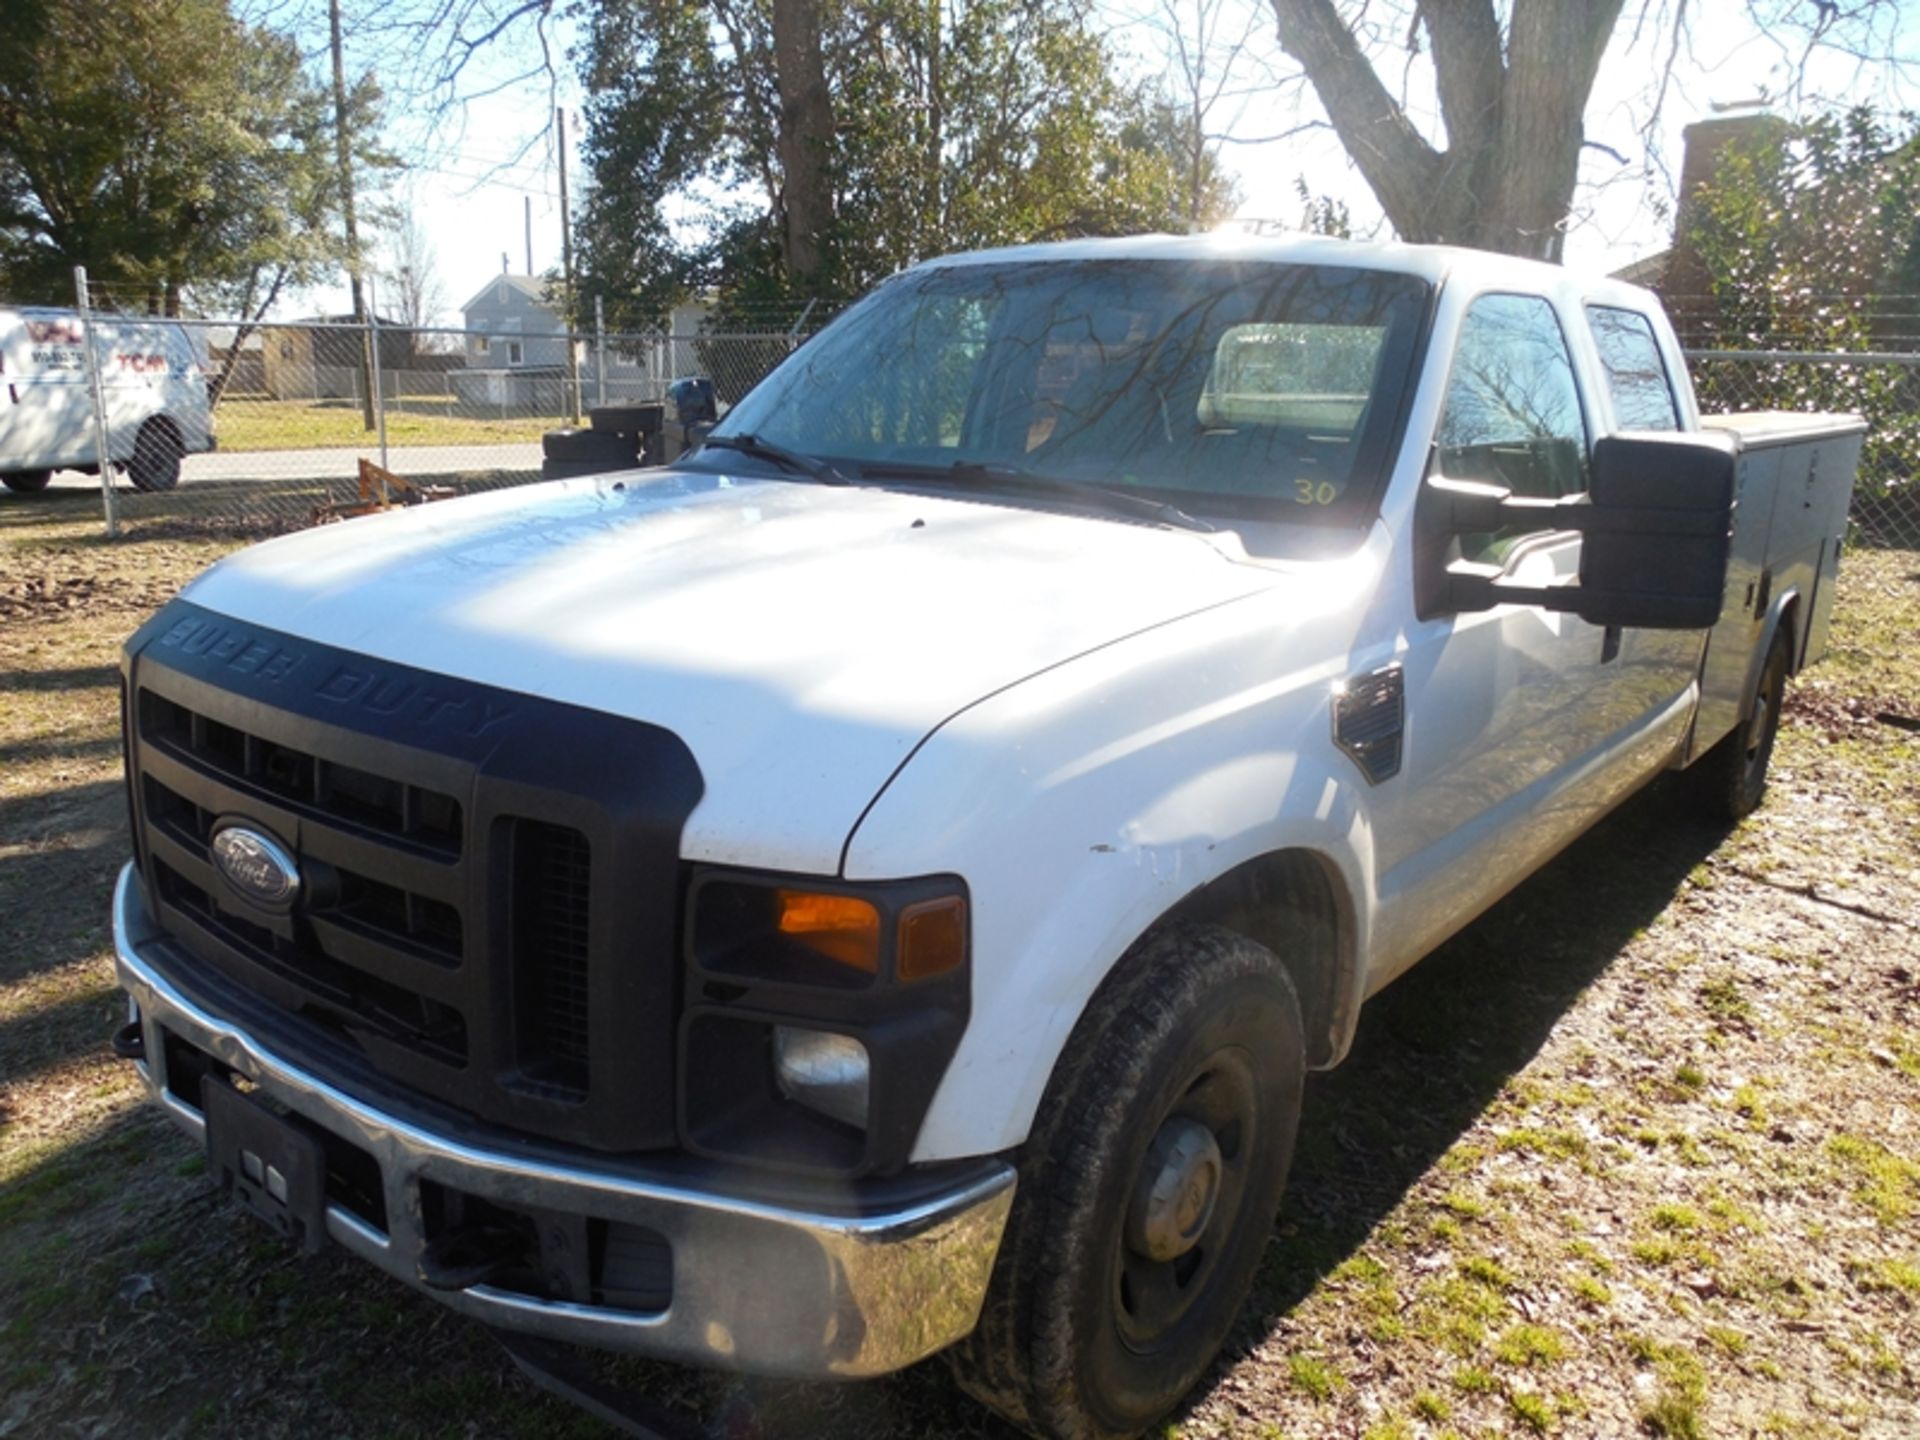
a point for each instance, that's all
(157, 453)
(1733, 775)
(1147, 1190)
(26, 482)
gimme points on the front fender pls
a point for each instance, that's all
(1086, 803)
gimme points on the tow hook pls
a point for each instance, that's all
(461, 1259)
(130, 1041)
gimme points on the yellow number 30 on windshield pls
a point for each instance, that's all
(1308, 493)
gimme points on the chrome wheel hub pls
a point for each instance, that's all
(1174, 1197)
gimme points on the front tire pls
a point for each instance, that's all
(1733, 775)
(1147, 1190)
(157, 453)
(26, 482)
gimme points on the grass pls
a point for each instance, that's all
(245, 425)
(1884, 1181)
(1313, 1377)
(1530, 1345)
(1612, 1162)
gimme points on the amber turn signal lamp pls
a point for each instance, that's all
(933, 938)
(841, 928)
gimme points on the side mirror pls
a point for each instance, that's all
(1658, 526)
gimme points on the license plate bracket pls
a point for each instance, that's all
(271, 1164)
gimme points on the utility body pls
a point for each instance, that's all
(699, 911)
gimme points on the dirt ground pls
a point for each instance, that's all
(1639, 1153)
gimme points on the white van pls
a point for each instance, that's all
(154, 378)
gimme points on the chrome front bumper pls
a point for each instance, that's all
(756, 1286)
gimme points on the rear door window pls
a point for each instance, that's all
(1636, 371)
(1513, 414)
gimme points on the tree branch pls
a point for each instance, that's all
(1400, 166)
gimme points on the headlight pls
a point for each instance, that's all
(820, 1016)
(830, 938)
(826, 1072)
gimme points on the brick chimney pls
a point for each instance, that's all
(1684, 285)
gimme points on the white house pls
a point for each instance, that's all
(511, 326)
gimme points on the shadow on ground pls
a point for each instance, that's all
(1434, 1050)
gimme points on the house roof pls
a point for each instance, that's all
(534, 287)
(1647, 270)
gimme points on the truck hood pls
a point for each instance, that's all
(800, 639)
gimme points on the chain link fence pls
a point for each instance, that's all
(253, 427)
(1884, 386)
(256, 427)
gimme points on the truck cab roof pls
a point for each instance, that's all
(1436, 264)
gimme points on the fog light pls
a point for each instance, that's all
(823, 1071)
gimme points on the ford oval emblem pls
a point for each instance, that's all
(256, 867)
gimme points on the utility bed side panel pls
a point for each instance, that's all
(1731, 643)
(1794, 484)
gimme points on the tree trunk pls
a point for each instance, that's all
(343, 154)
(1513, 116)
(806, 137)
(249, 322)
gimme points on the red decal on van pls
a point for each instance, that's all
(55, 332)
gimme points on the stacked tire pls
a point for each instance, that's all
(617, 437)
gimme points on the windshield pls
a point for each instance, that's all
(1254, 388)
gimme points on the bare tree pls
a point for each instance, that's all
(439, 57)
(1210, 64)
(412, 277)
(1513, 82)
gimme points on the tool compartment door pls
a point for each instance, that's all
(1725, 667)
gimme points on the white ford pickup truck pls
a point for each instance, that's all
(875, 887)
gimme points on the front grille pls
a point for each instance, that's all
(448, 925)
(343, 793)
(551, 911)
(382, 913)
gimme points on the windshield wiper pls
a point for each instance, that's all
(973, 474)
(779, 454)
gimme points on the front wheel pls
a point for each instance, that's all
(1733, 775)
(26, 482)
(1147, 1190)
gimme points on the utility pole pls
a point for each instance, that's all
(529, 203)
(566, 261)
(343, 151)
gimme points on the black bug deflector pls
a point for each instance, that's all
(489, 881)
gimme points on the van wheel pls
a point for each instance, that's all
(1147, 1190)
(1733, 775)
(157, 453)
(26, 482)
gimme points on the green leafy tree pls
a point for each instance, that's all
(942, 128)
(1810, 240)
(168, 148)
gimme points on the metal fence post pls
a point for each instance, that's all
(793, 334)
(379, 390)
(599, 350)
(109, 500)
